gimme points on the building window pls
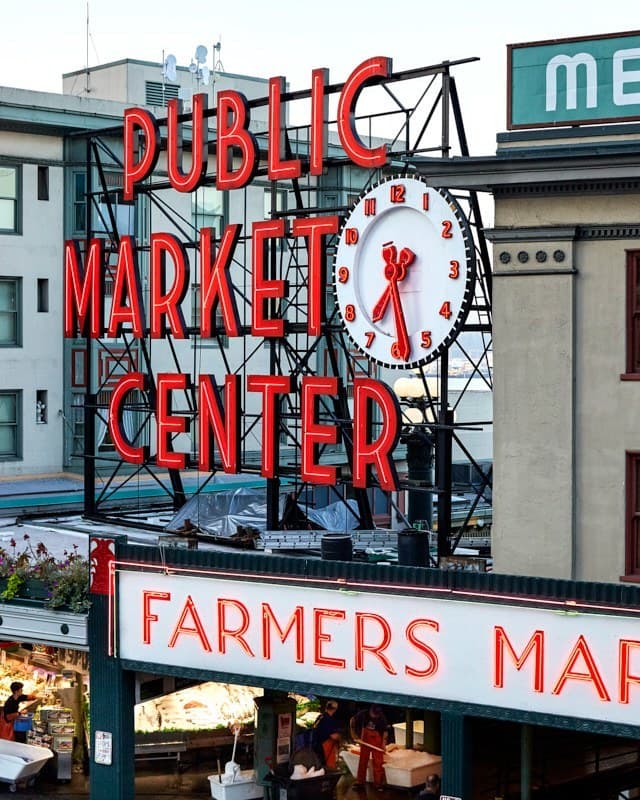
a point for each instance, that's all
(281, 202)
(9, 196)
(207, 209)
(77, 425)
(632, 548)
(110, 200)
(10, 433)
(79, 202)
(41, 407)
(43, 183)
(10, 317)
(281, 206)
(633, 312)
(220, 339)
(43, 294)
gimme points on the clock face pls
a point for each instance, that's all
(404, 272)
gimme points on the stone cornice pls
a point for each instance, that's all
(542, 234)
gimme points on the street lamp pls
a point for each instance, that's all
(424, 432)
(417, 417)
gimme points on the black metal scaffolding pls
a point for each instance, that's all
(418, 113)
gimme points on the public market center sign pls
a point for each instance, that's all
(574, 81)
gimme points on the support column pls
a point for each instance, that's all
(432, 741)
(456, 755)
(526, 756)
(112, 691)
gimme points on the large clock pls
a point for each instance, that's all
(404, 272)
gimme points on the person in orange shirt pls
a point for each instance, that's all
(11, 712)
(326, 735)
(370, 727)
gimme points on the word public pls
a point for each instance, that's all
(219, 417)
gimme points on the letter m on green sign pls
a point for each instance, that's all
(574, 81)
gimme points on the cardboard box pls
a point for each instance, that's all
(244, 787)
(55, 714)
(62, 744)
(61, 728)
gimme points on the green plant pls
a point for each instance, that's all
(69, 583)
(66, 579)
(14, 585)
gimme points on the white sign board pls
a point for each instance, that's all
(104, 748)
(546, 660)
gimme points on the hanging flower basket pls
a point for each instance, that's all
(34, 574)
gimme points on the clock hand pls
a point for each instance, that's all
(381, 306)
(402, 347)
(393, 269)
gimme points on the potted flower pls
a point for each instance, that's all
(69, 583)
(34, 573)
(25, 572)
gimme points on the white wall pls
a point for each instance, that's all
(36, 253)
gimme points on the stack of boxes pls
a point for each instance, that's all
(53, 727)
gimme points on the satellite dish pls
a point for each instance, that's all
(205, 74)
(169, 68)
(193, 67)
(201, 54)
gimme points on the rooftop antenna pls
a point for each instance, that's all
(198, 68)
(168, 72)
(217, 66)
(86, 85)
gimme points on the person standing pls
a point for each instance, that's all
(369, 727)
(11, 712)
(326, 735)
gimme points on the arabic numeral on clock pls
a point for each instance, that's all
(446, 229)
(454, 272)
(351, 235)
(350, 312)
(370, 207)
(343, 274)
(397, 193)
(425, 339)
(445, 310)
(371, 335)
(425, 201)
(395, 351)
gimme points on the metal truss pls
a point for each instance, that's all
(418, 113)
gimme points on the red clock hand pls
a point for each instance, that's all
(381, 306)
(395, 270)
(402, 346)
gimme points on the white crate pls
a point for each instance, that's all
(351, 760)
(400, 732)
(243, 788)
(412, 775)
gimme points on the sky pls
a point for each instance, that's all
(291, 37)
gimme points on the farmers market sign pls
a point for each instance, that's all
(561, 658)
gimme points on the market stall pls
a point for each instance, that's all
(57, 720)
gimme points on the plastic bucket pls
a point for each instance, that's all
(336, 547)
(23, 723)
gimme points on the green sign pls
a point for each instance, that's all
(571, 81)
